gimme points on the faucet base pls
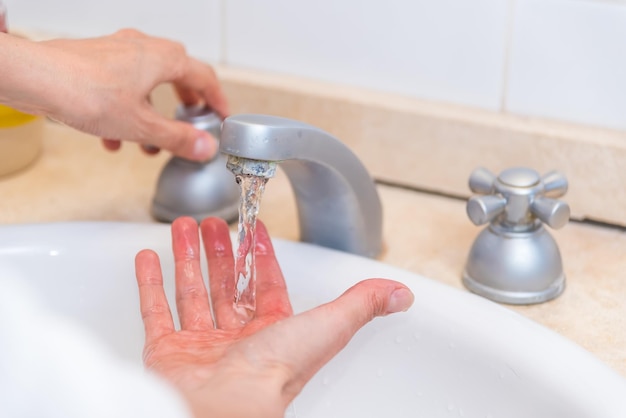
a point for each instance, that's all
(518, 268)
(199, 190)
(515, 297)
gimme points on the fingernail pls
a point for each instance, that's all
(151, 149)
(204, 148)
(400, 300)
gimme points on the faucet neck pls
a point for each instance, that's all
(337, 200)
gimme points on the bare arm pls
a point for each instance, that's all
(101, 86)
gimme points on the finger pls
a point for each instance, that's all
(271, 291)
(180, 138)
(309, 340)
(187, 97)
(148, 148)
(130, 33)
(111, 144)
(155, 311)
(192, 300)
(219, 254)
(201, 79)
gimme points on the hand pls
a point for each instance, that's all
(102, 85)
(214, 359)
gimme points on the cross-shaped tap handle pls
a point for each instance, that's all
(517, 197)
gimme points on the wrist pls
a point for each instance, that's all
(25, 76)
(236, 395)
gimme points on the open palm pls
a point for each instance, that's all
(232, 368)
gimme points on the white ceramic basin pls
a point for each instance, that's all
(452, 354)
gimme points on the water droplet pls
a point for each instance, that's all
(450, 407)
(502, 375)
(417, 335)
(461, 412)
(399, 339)
(420, 394)
(326, 381)
(451, 346)
(380, 372)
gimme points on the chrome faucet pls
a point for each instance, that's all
(515, 260)
(337, 201)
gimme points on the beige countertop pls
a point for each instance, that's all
(76, 180)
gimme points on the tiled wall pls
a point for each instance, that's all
(568, 61)
(563, 59)
(196, 23)
(448, 50)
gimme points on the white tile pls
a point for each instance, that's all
(568, 61)
(445, 50)
(195, 23)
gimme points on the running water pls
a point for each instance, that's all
(252, 188)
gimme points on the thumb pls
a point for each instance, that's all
(180, 138)
(305, 342)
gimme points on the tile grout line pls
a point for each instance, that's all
(507, 54)
(618, 2)
(417, 189)
(432, 192)
(223, 43)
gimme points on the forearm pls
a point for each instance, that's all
(102, 86)
(28, 75)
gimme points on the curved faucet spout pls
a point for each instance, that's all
(337, 200)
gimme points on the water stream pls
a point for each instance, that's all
(252, 188)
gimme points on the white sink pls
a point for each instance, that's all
(452, 354)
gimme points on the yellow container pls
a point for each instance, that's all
(20, 139)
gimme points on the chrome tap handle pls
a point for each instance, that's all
(516, 197)
(554, 184)
(554, 213)
(483, 209)
(481, 181)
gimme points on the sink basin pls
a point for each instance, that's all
(452, 354)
